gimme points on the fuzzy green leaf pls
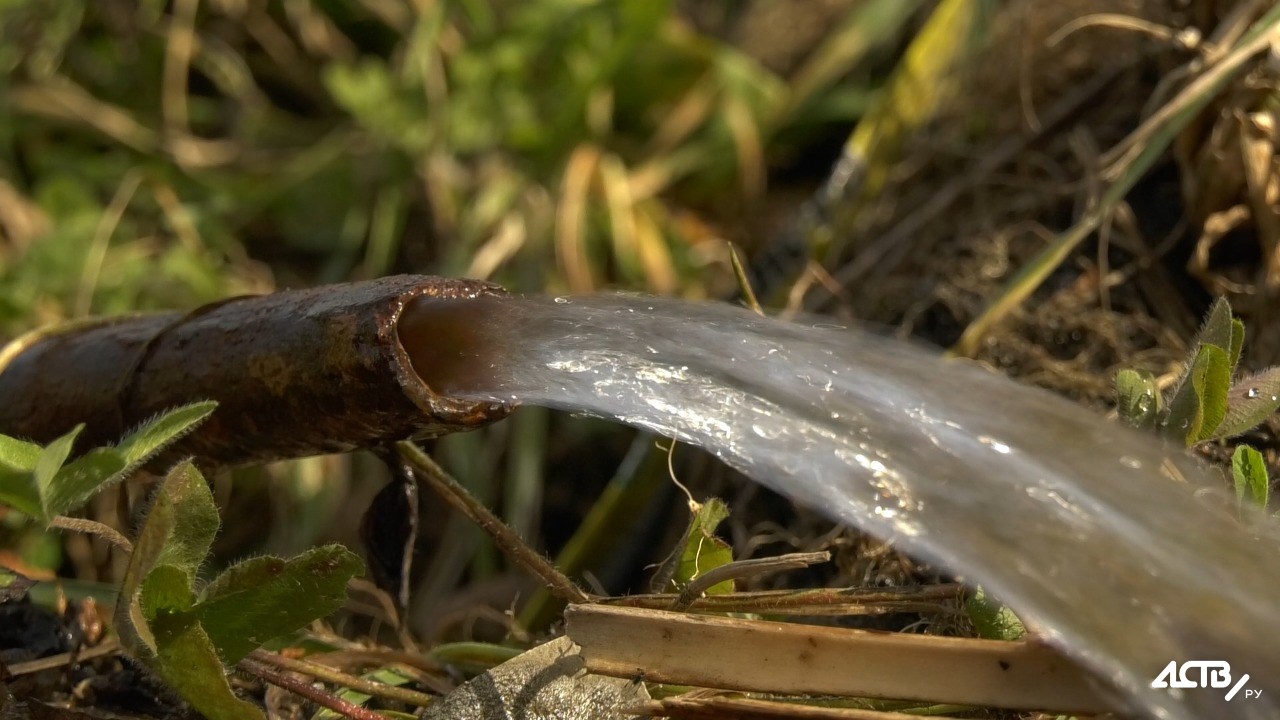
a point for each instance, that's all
(18, 491)
(18, 455)
(1217, 329)
(51, 461)
(178, 532)
(1251, 401)
(1199, 406)
(1138, 398)
(1249, 473)
(84, 477)
(164, 430)
(1237, 344)
(195, 519)
(266, 597)
(702, 550)
(18, 460)
(165, 595)
(187, 661)
(991, 619)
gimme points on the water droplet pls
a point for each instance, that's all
(1253, 393)
(562, 301)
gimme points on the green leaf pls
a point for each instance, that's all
(195, 519)
(993, 620)
(1137, 398)
(1250, 402)
(177, 531)
(18, 491)
(265, 597)
(18, 455)
(385, 676)
(52, 458)
(1237, 344)
(188, 663)
(165, 592)
(1218, 327)
(164, 430)
(1249, 473)
(184, 655)
(702, 550)
(1199, 406)
(80, 480)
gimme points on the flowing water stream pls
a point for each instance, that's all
(1106, 543)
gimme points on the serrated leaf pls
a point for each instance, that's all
(88, 474)
(1251, 401)
(266, 597)
(702, 550)
(51, 460)
(1200, 404)
(18, 455)
(1137, 398)
(1249, 473)
(177, 532)
(1237, 344)
(993, 620)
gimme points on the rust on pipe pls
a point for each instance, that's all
(295, 373)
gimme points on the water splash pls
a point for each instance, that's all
(1073, 521)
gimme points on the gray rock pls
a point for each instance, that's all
(547, 683)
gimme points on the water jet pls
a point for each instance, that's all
(1116, 549)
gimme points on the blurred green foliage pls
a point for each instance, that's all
(159, 154)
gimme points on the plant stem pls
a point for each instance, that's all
(337, 677)
(504, 537)
(305, 690)
(93, 527)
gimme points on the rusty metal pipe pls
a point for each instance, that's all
(296, 373)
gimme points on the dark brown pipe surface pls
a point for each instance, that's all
(296, 373)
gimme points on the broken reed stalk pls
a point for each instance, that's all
(295, 373)
(793, 659)
(810, 603)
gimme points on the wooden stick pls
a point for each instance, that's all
(295, 373)
(796, 659)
